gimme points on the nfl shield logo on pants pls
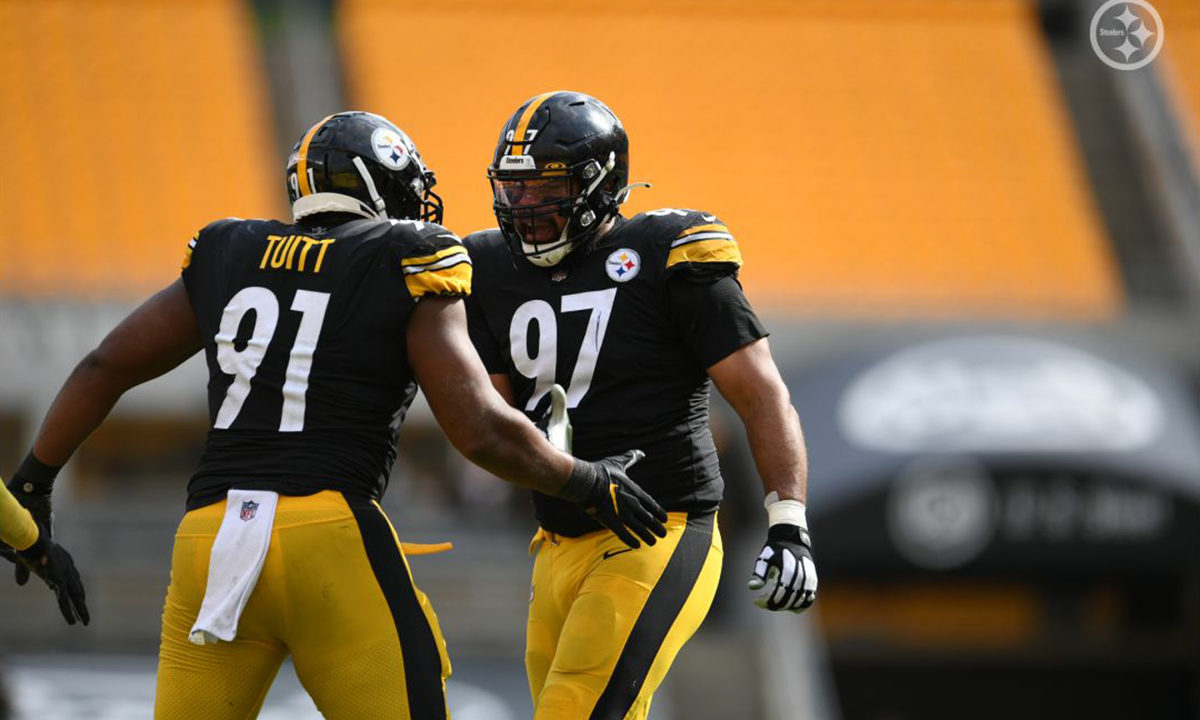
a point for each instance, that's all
(249, 508)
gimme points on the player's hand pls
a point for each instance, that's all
(603, 491)
(30, 486)
(784, 570)
(52, 563)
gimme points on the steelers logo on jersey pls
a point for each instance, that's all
(390, 147)
(623, 265)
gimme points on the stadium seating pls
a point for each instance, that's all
(903, 158)
(121, 136)
(1182, 51)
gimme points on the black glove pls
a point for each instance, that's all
(603, 490)
(785, 568)
(31, 485)
(52, 563)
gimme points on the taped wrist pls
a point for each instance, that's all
(35, 477)
(582, 482)
(785, 512)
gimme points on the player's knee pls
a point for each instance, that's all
(565, 697)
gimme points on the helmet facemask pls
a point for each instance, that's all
(548, 213)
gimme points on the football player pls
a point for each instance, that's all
(28, 544)
(316, 334)
(636, 317)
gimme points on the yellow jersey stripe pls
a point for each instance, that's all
(427, 259)
(523, 123)
(453, 280)
(715, 227)
(723, 251)
(302, 158)
(187, 255)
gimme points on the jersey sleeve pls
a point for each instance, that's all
(438, 265)
(704, 298)
(198, 249)
(703, 249)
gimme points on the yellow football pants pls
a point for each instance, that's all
(335, 592)
(606, 622)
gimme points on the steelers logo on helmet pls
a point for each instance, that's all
(623, 265)
(391, 148)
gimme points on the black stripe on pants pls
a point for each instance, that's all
(663, 605)
(418, 647)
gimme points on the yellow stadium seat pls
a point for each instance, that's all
(904, 158)
(1181, 52)
(126, 126)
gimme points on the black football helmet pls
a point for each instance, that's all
(558, 175)
(360, 163)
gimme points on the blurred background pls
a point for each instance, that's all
(973, 232)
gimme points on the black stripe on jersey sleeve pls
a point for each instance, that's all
(418, 647)
(662, 607)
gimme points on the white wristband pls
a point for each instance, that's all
(785, 512)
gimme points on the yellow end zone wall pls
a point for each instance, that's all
(897, 158)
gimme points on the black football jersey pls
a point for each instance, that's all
(304, 334)
(628, 330)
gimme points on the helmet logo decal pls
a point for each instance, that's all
(390, 148)
(517, 162)
(623, 265)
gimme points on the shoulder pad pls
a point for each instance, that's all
(701, 245)
(213, 229)
(433, 261)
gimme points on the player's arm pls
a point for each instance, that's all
(17, 528)
(495, 436)
(750, 381)
(726, 337)
(153, 339)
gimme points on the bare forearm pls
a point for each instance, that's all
(777, 443)
(751, 383)
(86, 398)
(510, 447)
(475, 418)
(157, 336)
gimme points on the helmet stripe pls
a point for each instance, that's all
(523, 123)
(302, 159)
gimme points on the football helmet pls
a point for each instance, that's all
(360, 163)
(558, 175)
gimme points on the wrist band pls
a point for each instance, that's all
(785, 512)
(35, 475)
(580, 483)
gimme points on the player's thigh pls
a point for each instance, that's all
(364, 639)
(222, 681)
(621, 623)
(545, 620)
